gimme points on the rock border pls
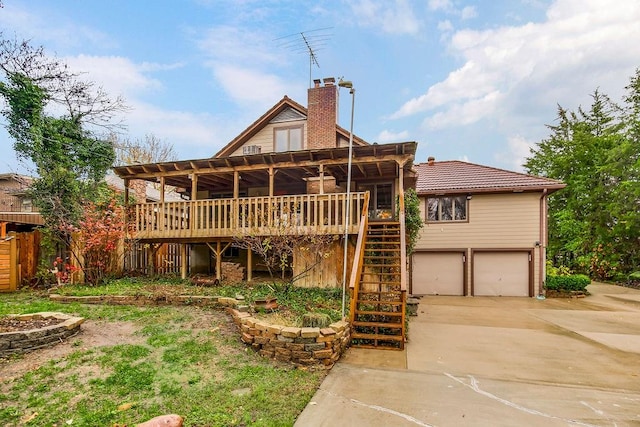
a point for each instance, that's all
(18, 342)
(299, 346)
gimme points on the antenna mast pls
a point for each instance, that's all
(309, 42)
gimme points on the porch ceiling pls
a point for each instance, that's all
(370, 162)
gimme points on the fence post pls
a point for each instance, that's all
(13, 261)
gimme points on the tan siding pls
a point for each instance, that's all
(495, 221)
(264, 138)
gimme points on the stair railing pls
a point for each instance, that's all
(403, 259)
(358, 258)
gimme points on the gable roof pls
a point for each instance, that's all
(454, 176)
(272, 113)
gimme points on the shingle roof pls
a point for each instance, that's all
(455, 176)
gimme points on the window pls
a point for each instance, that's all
(288, 139)
(231, 252)
(450, 208)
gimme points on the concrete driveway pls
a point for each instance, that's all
(496, 361)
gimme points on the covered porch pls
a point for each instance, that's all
(297, 192)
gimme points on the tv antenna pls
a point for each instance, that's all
(309, 42)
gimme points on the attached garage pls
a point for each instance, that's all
(438, 273)
(502, 273)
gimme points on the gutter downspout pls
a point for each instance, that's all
(543, 241)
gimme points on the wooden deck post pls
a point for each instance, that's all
(13, 262)
(249, 265)
(218, 260)
(271, 178)
(321, 190)
(162, 189)
(183, 261)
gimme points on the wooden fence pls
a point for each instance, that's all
(166, 258)
(18, 259)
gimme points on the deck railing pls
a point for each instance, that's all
(292, 214)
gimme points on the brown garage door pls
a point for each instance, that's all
(501, 274)
(438, 273)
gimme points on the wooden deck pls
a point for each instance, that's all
(228, 218)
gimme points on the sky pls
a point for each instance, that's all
(468, 80)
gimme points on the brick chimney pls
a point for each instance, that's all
(322, 115)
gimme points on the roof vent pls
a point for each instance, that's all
(251, 149)
(431, 160)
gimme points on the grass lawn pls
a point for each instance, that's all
(184, 360)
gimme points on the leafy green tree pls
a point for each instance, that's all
(594, 222)
(70, 158)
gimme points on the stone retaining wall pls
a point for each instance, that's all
(29, 340)
(300, 346)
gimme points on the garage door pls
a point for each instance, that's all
(501, 274)
(438, 273)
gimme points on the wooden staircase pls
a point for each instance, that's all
(378, 304)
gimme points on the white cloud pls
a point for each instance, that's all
(51, 29)
(517, 150)
(444, 5)
(234, 45)
(251, 86)
(395, 17)
(510, 71)
(191, 134)
(468, 12)
(445, 26)
(465, 113)
(388, 136)
(117, 75)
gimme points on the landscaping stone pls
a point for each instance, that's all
(171, 420)
(290, 332)
(319, 320)
(310, 332)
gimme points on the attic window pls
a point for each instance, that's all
(447, 208)
(287, 139)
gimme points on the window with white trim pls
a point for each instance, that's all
(447, 208)
(287, 139)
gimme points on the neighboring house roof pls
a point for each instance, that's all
(153, 194)
(13, 183)
(454, 176)
(263, 120)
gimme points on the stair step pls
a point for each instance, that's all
(377, 324)
(392, 283)
(379, 292)
(380, 337)
(379, 313)
(364, 301)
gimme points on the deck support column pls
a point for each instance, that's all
(271, 178)
(249, 265)
(219, 260)
(321, 173)
(183, 261)
(162, 189)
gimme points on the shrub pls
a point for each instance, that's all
(635, 276)
(575, 282)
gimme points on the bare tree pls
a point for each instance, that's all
(275, 236)
(151, 149)
(84, 102)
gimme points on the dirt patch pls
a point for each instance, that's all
(92, 334)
